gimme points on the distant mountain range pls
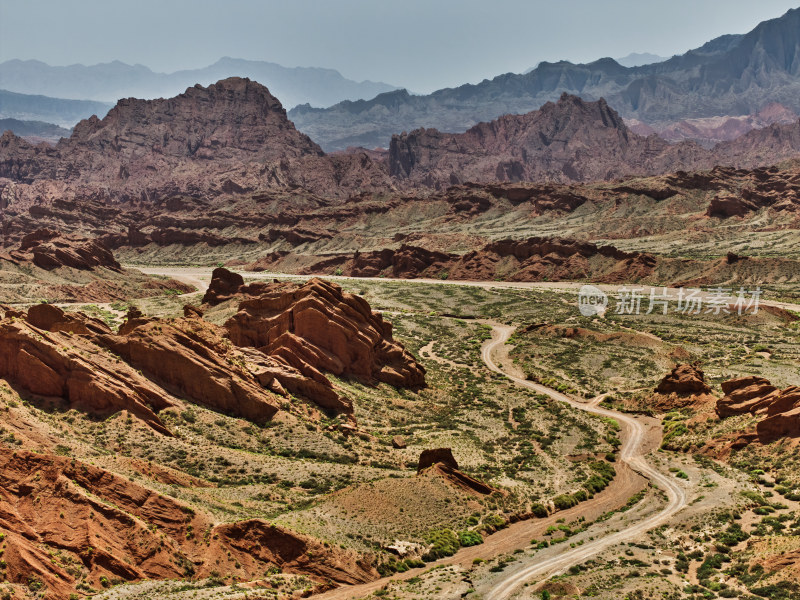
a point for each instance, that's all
(34, 131)
(733, 75)
(234, 138)
(65, 113)
(109, 82)
(638, 59)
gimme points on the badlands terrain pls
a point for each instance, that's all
(240, 361)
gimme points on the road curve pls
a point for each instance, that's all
(631, 454)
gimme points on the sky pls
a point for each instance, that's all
(422, 45)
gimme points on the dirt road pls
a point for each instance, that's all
(631, 454)
(200, 277)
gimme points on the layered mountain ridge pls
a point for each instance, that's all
(566, 141)
(229, 137)
(729, 76)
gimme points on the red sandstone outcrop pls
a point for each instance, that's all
(50, 250)
(47, 360)
(744, 395)
(316, 326)
(65, 355)
(193, 357)
(684, 379)
(52, 318)
(433, 456)
(554, 259)
(224, 285)
(441, 462)
(533, 259)
(684, 386)
(778, 410)
(118, 529)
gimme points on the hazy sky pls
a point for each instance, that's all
(420, 44)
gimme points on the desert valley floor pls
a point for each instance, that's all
(535, 400)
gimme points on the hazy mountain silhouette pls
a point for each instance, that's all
(108, 82)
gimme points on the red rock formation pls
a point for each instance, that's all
(405, 262)
(782, 416)
(684, 379)
(729, 206)
(224, 285)
(684, 386)
(534, 259)
(193, 357)
(119, 529)
(570, 140)
(51, 362)
(778, 410)
(433, 456)
(50, 250)
(442, 463)
(52, 318)
(54, 354)
(318, 326)
(744, 395)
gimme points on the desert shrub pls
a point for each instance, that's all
(444, 542)
(539, 511)
(564, 501)
(494, 522)
(469, 538)
(732, 535)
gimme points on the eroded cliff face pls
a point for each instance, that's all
(778, 410)
(282, 341)
(107, 527)
(318, 327)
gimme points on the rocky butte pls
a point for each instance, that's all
(228, 138)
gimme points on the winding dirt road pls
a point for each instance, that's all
(631, 454)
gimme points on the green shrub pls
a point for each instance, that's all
(539, 511)
(469, 538)
(564, 501)
(444, 542)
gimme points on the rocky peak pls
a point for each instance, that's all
(230, 138)
(233, 114)
(564, 141)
